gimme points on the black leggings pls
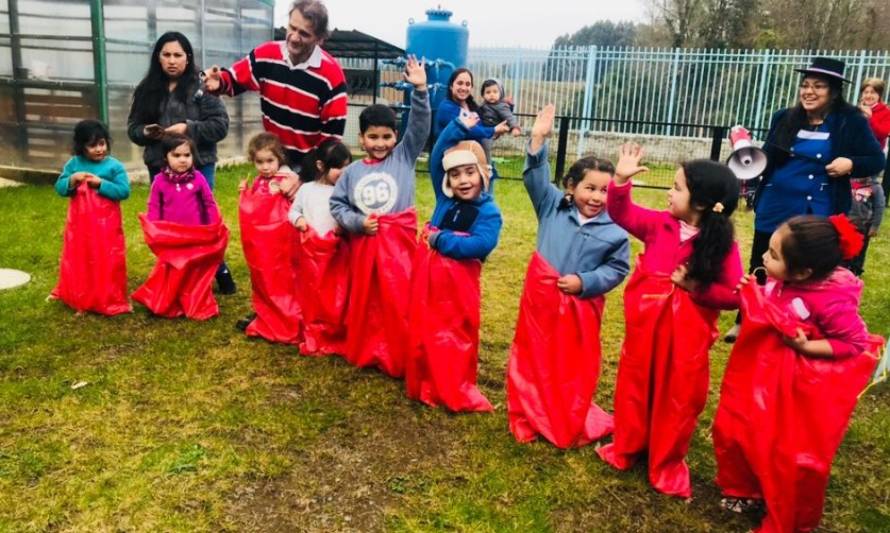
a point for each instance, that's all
(758, 248)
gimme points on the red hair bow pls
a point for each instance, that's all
(850, 239)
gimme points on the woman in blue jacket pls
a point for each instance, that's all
(813, 149)
(460, 103)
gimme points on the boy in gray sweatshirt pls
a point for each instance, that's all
(374, 202)
(383, 182)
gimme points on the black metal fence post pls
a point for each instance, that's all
(561, 148)
(719, 133)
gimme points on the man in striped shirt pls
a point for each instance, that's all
(302, 88)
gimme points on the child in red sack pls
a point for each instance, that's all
(93, 266)
(374, 202)
(781, 416)
(184, 229)
(554, 363)
(688, 272)
(445, 291)
(269, 243)
(322, 254)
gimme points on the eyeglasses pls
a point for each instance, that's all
(816, 87)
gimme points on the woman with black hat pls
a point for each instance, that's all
(813, 149)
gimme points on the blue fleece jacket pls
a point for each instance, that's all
(467, 230)
(448, 111)
(597, 251)
(115, 182)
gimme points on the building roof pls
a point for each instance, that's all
(354, 44)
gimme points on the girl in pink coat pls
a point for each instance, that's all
(783, 412)
(686, 274)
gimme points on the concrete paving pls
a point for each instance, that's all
(10, 183)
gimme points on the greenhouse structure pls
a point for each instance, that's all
(65, 60)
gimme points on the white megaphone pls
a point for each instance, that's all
(747, 161)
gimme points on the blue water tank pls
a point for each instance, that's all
(438, 39)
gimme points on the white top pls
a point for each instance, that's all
(313, 203)
(687, 231)
(313, 61)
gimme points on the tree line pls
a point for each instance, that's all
(751, 24)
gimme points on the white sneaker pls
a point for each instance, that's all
(732, 334)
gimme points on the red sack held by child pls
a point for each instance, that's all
(188, 256)
(444, 323)
(554, 363)
(662, 380)
(270, 245)
(377, 315)
(93, 263)
(323, 290)
(783, 415)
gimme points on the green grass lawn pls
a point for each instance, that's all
(191, 426)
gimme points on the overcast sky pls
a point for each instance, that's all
(491, 22)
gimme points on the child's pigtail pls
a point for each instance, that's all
(714, 190)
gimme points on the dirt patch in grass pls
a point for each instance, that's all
(352, 477)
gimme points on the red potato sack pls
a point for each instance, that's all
(554, 364)
(187, 259)
(444, 324)
(782, 416)
(270, 244)
(662, 380)
(323, 291)
(377, 315)
(93, 262)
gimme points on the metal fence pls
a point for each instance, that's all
(599, 137)
(678, 103)
(662, 85)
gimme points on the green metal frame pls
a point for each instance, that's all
(97, 20)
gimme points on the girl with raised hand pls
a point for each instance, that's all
(687, 272)
(581, 255)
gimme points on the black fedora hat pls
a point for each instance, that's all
(825, 66)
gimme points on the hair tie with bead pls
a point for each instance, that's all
(718, 207)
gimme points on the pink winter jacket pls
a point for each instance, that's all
(663, 252)
(831, 305)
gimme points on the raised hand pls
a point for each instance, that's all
(212, 80)
(629, 162)
(542, 128)
(415, 73)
